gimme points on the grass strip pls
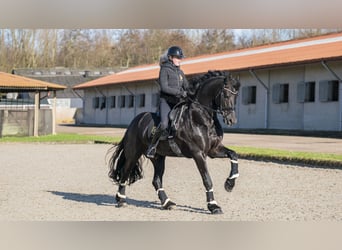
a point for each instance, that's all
(284, 156)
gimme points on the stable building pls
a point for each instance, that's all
(68, 102)
(293, 85)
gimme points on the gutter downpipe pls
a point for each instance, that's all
(255, 76)
(326, 66)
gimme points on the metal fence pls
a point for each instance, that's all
(17, 118)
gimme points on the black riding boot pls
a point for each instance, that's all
(152, 148)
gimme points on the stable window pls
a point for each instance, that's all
(96, 102)
(112, 102)
(130, 101)
(306, 92)
(122, 101)
(249, 95)
(328, 91)
(141, 100)
(103, 101)
(280, 93)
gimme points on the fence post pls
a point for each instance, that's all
(54, 113)
(36, 113)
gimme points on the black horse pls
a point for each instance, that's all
(198, 135)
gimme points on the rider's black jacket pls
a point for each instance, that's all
(172, 82)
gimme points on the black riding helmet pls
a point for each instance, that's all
(175, 51)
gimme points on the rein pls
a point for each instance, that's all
(205, 106)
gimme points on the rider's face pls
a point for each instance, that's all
(176, 60)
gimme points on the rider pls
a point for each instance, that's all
(173, 86)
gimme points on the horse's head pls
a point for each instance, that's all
(217, 90)
(226, 99)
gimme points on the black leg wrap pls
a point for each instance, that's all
(162, 196)
(210, 196)
(234, 172)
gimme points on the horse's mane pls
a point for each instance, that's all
(197, 82)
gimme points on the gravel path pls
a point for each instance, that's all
(58, 182)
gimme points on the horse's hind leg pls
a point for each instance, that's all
(131, 164)
(159, 167)
(120, 196)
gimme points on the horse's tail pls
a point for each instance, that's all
(117, 164)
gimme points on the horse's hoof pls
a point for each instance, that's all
(229, 184)
(214, 208)
(121, 204)
(217, 211)
(169, 205)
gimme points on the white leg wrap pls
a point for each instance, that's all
(123, 184)
(121, 195)
(211, 190)
(212, 202)
(234, 176)
(166, 201)
(234, 161)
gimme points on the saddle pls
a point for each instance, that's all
(174, 116)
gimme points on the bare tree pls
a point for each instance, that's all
(215, 40)
(84, 48)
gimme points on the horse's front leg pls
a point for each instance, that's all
(207, 182)
(223, 152)
(159, 167)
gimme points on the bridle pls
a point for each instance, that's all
(218, 100)
(221, 95)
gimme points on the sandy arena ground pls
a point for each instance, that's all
(68, 182)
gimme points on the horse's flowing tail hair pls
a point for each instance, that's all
(117, 164)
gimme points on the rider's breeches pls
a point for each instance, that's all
(164, 114)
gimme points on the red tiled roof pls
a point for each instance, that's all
(10, 82)
(295, 51)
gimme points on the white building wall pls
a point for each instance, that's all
(114, 114)
(296, 115)
(88, 110)
(336, 66)
(286, 115)
(117, 115)
(320, 115)
(251, 115)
